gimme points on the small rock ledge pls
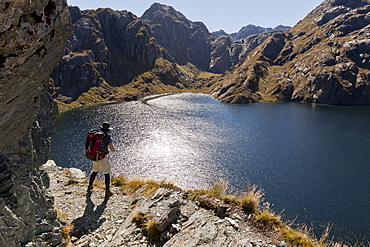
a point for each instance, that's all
(178, 220)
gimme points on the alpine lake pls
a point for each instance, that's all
(312, 161)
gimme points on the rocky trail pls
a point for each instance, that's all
(178, 221)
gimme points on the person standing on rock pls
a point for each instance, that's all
(103, 164)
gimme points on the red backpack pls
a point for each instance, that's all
(95, 146)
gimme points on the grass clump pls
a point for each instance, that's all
(195, 194)
(66, 229)
(268, 218)
(231, 199)
(61, 215)
(248, 201)
(299, 237)
(148, 226)
(251, 200)
(151, 231)
(218, 188)
(147, 187)
(119, 180)
(139, 218)
(66, 232)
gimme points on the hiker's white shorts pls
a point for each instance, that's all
(103, 164)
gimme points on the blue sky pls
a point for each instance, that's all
(228, 15)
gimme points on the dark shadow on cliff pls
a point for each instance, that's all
(90, 220)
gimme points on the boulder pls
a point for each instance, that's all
(169, 217)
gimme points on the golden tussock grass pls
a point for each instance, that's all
(268, 218)
(231, 199)
(251, 199)
(147, 186)
(66, 229)
(218, 188)
(151, 231)
(139, 218)
(298, 237)
(148, 226)
(60, 214)
(66, 232)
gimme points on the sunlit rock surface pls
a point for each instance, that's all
(323, 59)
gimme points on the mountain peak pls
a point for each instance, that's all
(158, 11)
(330, 9)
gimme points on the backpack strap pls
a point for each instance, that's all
(105, 142)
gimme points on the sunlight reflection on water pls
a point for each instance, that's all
(167, 143)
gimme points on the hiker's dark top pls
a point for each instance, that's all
(107, 140)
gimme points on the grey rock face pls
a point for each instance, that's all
(220, 56)
(32, 40)
(105, 46)
(185, 41)
(33, 36)
(241, 48)
(226, 54)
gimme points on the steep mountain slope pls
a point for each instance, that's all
(188, 41)
(323, 59)
(229, 49)
(226, 54)
(185, 41)
(105, 46)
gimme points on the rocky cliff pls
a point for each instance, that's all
(226, 54)
(191, 42)
(323, 59)
(230, 49)
(33, 35)
(105, 46)
(185, 41)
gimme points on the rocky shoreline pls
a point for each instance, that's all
(179, 221)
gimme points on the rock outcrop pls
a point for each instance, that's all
(220, 56)
(323, 59)
(123, 219)
(33, 36)
(185, 41)
(226, 54)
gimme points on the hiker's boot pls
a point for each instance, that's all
(108, 194)
(90, 188)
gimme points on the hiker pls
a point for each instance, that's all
(102, 163)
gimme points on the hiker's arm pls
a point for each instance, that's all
(111, 147)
